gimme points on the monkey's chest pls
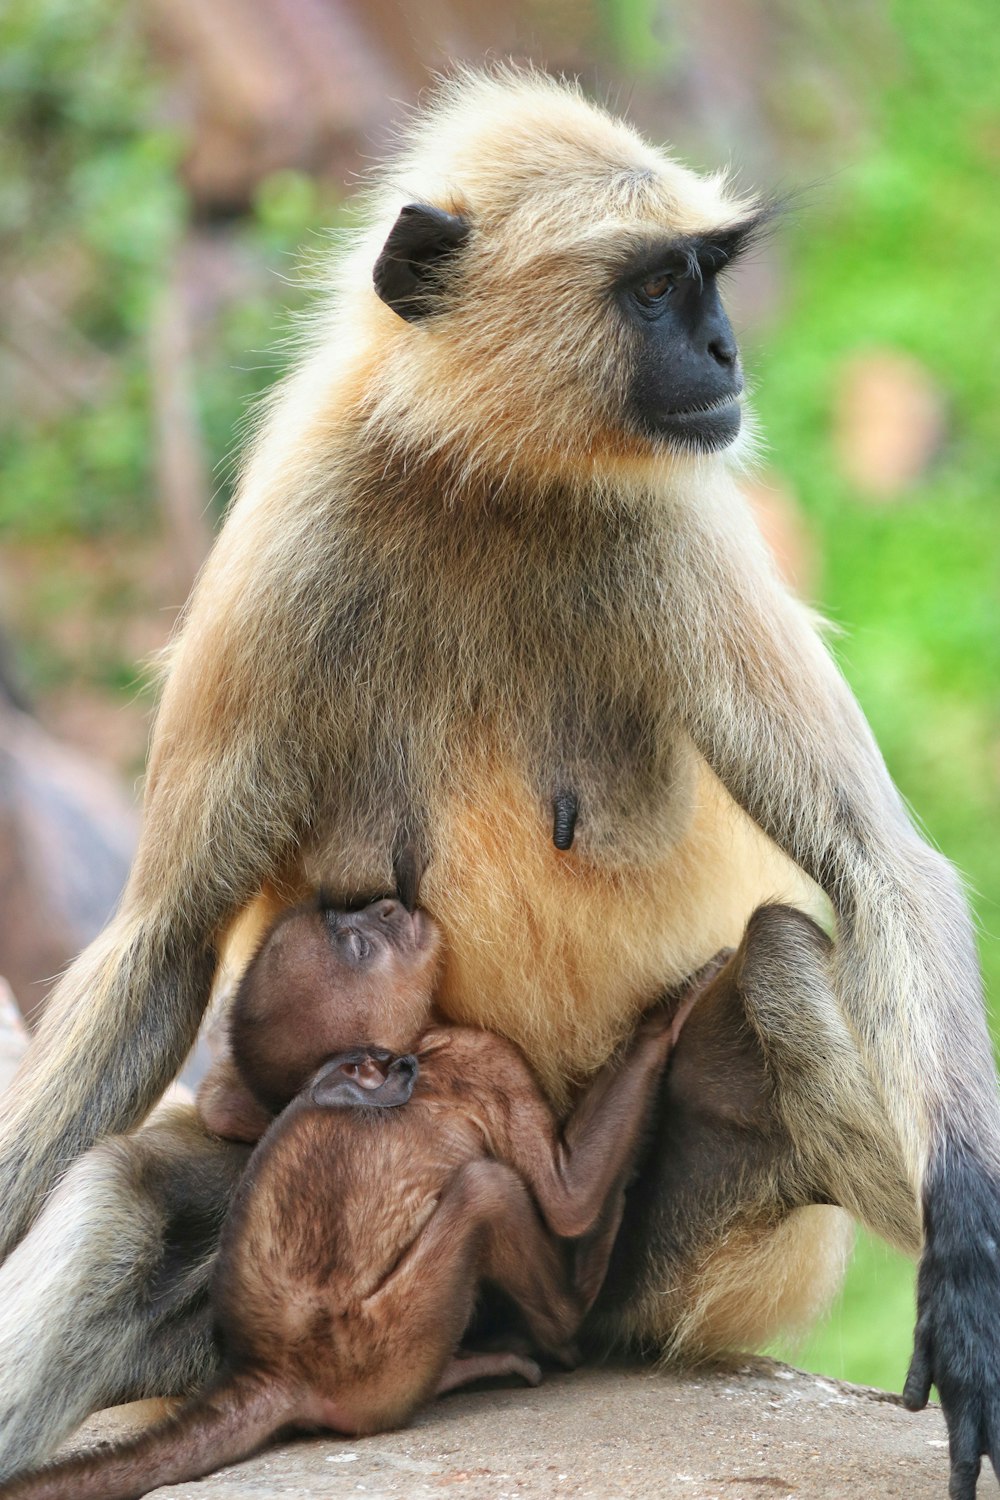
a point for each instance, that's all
(575, 872)
(561, 949)
(601, 776)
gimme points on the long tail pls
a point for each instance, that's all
(229, 1421)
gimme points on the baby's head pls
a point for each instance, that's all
(327, 980)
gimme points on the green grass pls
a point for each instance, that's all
(900, 252)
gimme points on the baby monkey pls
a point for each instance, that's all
(409, 1163)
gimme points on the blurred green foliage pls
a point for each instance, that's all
(896, 250)
(92, 214)
(85, 178)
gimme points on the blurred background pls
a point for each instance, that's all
(169, 170)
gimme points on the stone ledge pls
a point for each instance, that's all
(757, 1431)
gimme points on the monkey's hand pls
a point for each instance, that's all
(671, 1013)
(957, 1340)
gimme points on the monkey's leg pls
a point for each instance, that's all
(592, 1252)
(730, 1236)
(525, 1260)
(105, 1300)
(773, 718)
(484, 1227)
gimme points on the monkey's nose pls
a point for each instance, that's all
(384, 911)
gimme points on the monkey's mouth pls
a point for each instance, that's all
(704, 428)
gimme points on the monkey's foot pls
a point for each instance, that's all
(464, 1368)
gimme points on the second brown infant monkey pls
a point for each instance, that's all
(393, 1183)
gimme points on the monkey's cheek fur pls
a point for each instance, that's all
(702, 431)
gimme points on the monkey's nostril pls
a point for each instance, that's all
(723, 351)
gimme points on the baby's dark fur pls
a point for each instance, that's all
(351, 1258)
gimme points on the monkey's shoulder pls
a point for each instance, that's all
(330, 1159)
(450, 1056)
(473, 1073)
(306, 1132)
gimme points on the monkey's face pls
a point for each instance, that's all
(560, 283)
(328, 980)
(382, 961)
(686, 376)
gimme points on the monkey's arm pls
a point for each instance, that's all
(226, 1106)
(777, 723)
(572, 1172)
(225, 805)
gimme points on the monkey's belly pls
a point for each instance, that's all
(560, 954)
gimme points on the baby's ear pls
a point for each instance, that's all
(340, 1093)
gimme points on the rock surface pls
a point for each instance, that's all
(759, 1431)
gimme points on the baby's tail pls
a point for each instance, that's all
(229, 1421)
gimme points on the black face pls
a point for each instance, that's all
(687, 379)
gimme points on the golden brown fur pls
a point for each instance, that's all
(351, 1258)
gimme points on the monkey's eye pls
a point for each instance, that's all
(656, 288)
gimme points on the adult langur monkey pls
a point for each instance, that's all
(489, 588)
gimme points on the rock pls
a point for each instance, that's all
(67, 831)
(889, 422)
(744, 1433)
(13, 1035)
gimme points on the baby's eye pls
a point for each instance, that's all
(355, 946)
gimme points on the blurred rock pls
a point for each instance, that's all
(785, 530)
(98, 724)
(889, 422)
(13, 1036)
(265, 85)
(67, 832)
(268, 84)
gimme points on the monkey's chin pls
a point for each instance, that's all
(705, 430)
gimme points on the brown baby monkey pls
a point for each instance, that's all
(409, 1163)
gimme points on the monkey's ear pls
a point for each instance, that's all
(410, 267)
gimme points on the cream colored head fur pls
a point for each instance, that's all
(557, 191)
